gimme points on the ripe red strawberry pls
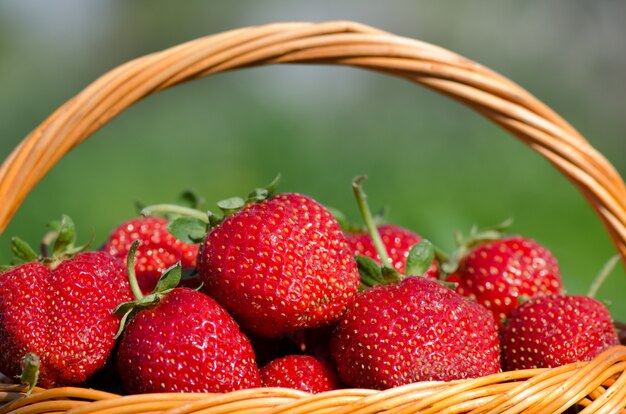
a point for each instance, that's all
(279, 265)
(301, 372)
(554, 330)
(497, 273)
(398, 242)
(185, 343)
(62, 311)
(158, 251)
(414, 330)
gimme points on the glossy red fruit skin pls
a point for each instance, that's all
(279, 266)
(554, 330)
(158, 249)
(65, 316)
(497, 273)
(185, 343)
(301, 372)
(415, 330)
(398, 242)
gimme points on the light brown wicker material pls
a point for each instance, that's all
(599, 385)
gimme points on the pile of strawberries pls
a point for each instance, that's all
(273, 291)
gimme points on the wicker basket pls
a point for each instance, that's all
(598, 386)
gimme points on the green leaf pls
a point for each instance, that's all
(231, 205)
(190, 199)
(453, 261)
(139, 205)
(369, 270)
(420, 258)
(214, 219)
(126, 316)
(123, 308)
(189, 230)
(390, 275)
(22, 250)
(169, 279)
(172, 211)
(30, 371)
(257, 195)
(272, 187)
(66, 236)
(263, 193)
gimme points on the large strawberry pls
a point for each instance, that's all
(158, 251)
(496, 273)
(398, 242)
(407, 329)
(61, 309)
(279, 265)
(301, 372)
(414, 330)
(554, 330)
(180, 340)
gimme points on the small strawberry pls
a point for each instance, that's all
(496, 273)
(180, 340)
(278, 264)
(301, 372)
(410, 329)
(158, 251)
(60, 308)
(549, 331)
(398, 242)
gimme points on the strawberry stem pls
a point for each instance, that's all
(361, 199)
(130, 268)
(173, 209)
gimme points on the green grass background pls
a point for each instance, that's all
(437, 165)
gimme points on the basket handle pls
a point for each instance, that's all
(342, 43)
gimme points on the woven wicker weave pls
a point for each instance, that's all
(598, 386)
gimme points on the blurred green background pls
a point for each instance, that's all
(437, 165)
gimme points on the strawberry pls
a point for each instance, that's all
(549, 331)
(180, 340)
(185, 343)
(158, 251)
(60, 308)
(496, 273)
(301, 372)
(279, 265)
(414, 330)
(398, 242)
(407, 329)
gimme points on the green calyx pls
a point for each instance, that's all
(186, 221)
(189, 224)
(418, 261)
(30, 372)
(57, 245)
(167, 282)
(450, 262)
